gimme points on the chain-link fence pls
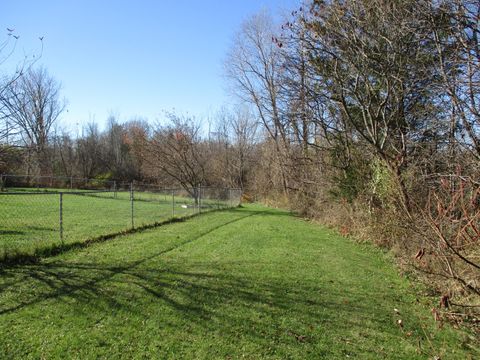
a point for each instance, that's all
(31, 220)
(9, 181)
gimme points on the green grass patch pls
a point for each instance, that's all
(245, 283)
(30, 222)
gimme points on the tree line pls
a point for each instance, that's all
(175, 152)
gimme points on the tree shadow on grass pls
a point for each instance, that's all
(16, 257)
(208, 298)
(213, 297)
(14, 275)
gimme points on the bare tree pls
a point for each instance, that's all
(8, 129)
(117, 157)
(178, 151)
(7, 48)
(137, 133)
(456, 34)
(33, 105)
(244, 129)
(89, 151)
(232, 147)
(254, 65)
(65, 159)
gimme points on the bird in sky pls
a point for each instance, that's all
(16, 36)
(10, 30)
(41, 38)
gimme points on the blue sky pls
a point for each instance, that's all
(132, 58)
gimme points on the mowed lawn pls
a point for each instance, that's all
(248, 283)
(31, 222)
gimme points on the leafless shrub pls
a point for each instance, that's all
(452, 234)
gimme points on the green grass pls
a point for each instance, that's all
(30, 222)
(246, 283)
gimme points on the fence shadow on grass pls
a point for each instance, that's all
(11, 232)
(19, 258)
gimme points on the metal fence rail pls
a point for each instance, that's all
(31, 220)
(63, 182)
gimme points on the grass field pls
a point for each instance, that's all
(30, 222)
(250, 283)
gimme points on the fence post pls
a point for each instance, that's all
(199, 199)
(115, 189)
(61, 217)
(2, 183)
(131, 203)
(173, 203)
(71, 182)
